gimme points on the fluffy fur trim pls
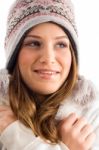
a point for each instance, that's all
(4, 81)
(83, 95)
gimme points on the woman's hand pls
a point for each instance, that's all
(76, 133)
(6, 117)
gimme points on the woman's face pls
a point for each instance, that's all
(45, 58)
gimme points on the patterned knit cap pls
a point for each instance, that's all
(24, 14)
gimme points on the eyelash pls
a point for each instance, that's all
(38, 44)
(63, 44)
(33, 42)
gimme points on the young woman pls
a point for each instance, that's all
(45, 103)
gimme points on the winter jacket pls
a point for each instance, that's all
(84, 101)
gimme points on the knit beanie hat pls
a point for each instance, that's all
(24, 14)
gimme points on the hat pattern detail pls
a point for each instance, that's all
(37, 8)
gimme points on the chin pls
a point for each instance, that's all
(45, 89)
(46, 92)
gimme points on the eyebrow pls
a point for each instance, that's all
(36, 36)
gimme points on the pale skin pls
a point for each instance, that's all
(44, 62)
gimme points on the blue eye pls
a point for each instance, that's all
(32, 43)
(62, 45)
(35, 44)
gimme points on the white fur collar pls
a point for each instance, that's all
(4, 81)
(83, 95)
(84, 91)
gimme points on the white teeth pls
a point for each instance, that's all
(46, 72)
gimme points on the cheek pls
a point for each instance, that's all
(25, 58)
(69, 61)
(66, 60)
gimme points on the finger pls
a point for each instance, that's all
(90, 139)
(87, 130)
(3, 108)
(6, 113)
(80, 123)
(70, 120)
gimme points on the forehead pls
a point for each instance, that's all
(47, 28)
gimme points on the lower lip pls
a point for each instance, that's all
(46, 75)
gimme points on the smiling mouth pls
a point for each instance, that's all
(46, 73)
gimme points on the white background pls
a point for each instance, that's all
(87, 19)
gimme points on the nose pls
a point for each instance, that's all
(47, 54)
